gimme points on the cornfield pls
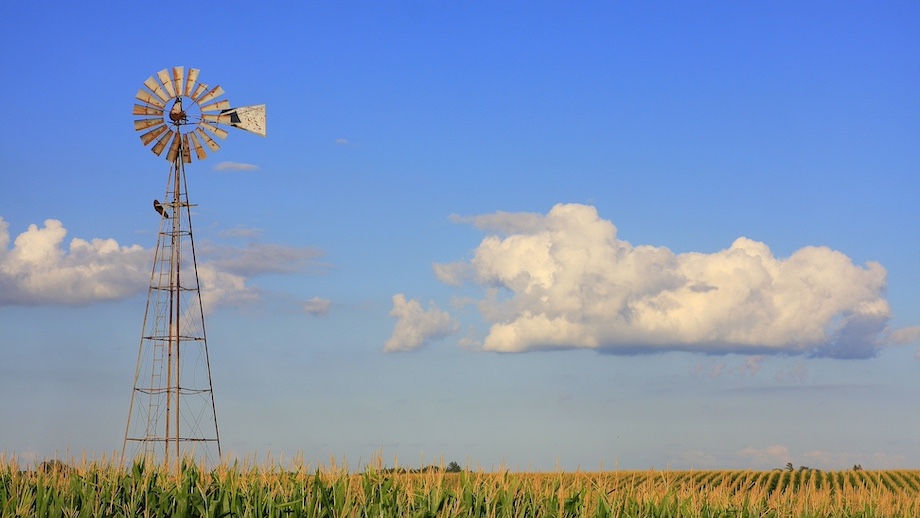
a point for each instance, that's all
(102, 489)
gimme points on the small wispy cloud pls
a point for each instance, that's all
(749, 368)
(261, 258)
(838, 460)
(235, 166)
(905, 335)
(697, 459)
(764, 458)
(471, 340)
(798, 373)
(342, 142)
(240, 232)
(503, 223)
(317, 306)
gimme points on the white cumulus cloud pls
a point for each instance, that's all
(223, 288)
(39, 269)
(564, 280)
(415, 326)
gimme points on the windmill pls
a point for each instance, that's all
(172, 415)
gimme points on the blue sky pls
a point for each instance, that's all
(538, 234)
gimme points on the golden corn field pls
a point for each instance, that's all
(100, 489)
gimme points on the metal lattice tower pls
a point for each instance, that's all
(172, 415)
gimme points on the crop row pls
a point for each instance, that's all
(104, 490)
(778, 480)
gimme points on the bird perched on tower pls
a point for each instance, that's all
(159, 208)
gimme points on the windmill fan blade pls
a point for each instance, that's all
(218, 106)
(144, 96)
(186, 152)
(174, 148)
(192, 77)
(214, 129)
(219, 118)
(217, 91)
(148, 137)
(199, 150)
(155, 87)
(199, 91)
(178, 75)
(161, 144)
(167, 82)
(249, 118)
(146, 110)
(141, 124)
(214, 146)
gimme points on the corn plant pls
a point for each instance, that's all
(104, 489)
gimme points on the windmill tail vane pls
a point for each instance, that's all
(173, 414)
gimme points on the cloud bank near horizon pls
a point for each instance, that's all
(40, 270)
(564, 281)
